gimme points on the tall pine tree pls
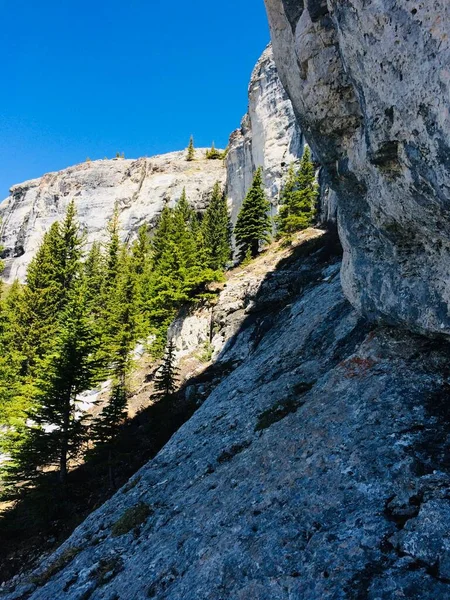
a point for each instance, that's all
(191, 150)
(253, 224)
(298, 198)
(216, 229)
(166, 378)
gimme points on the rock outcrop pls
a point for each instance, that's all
(370, 84)
(140, 188)
(269, 136)
(316, 469)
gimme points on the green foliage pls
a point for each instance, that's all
(216, 229)
(214, 154)
(247, 258)
(75, 323)
(165, 382)
(180, 270)
(253, 224)
(206, 355)
(191, 150)
(298, 198)
(131, 519)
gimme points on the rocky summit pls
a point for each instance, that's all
(317, 465)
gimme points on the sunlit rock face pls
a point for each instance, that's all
(370, 84)
(269, 136)
(140, 188)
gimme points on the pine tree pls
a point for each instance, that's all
(216, 229)
(57, 428)
(191, 150)
(213, 153)
(53, 331)
(94, 270)
(122, 318)
(142, 265)
(112, 249)
(298, 198)
(253, 224)
(165, 382)
(179, 270)
(49, 279)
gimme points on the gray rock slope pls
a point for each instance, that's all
(140, 188)
(370, 84)
(317, 470)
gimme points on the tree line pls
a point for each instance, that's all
(76, 320)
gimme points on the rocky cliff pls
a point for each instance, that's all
(318, 467)
(140, 188)
(370, 84)
(269, 136)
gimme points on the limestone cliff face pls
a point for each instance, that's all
(370, 83)
(140, 187)
(269, 136)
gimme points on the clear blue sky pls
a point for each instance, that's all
(85, 78)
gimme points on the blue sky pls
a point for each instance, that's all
(83, 78)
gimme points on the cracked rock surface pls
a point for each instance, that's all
(317, 469)
(370, 84)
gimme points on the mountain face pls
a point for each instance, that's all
(140, 187)
(269, 137)
(370, 84)
(317, 467)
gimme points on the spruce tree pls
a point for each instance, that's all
(50, 276)
(298, 198)
(191, 150)
(216, 229)
(112, 249)
(94, 270)
(56, 426)
(142, 265)
(213, 153)
(165, 383)
(180, 272)
(253, 224)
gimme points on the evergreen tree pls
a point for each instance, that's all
(142, 266)
(216, 229)
(122, 318)
(253, 224)
(94, 270)
(50, 276)
(179, 270)
(107, 426)
(165, 382)
(213, 153)
(112, 249)
(298, 198)
(191, 150)
(56, 428)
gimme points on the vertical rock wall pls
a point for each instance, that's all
(269, 136)
(370, 84)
